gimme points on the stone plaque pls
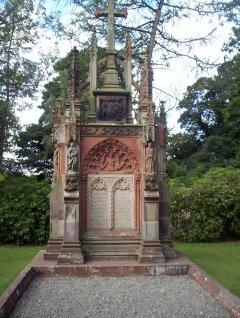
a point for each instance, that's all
(97, 204)
(98, 215)
(110, 202)
(111, 107)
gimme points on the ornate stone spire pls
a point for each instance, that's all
(58, 115)
(128, 47)
(73, 77)
(146, 82)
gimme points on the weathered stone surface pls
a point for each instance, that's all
(110, 202)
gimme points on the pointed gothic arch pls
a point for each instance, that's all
(111, 155)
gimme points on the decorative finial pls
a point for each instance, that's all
(93, 49)
(128, 46)
(162, 115)
(73, 77)
(58, 115)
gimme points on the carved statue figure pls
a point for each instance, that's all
(72, 157)
(149, 161)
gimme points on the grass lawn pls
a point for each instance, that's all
(220, 260)
(12, 261)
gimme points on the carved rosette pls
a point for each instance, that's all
(111, 155)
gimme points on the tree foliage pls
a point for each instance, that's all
(24, 210)
(19, 75)
(208, 209)
(35, 148)
(210, 118)
(155, 24)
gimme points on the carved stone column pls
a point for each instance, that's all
(57, 193)
(150, 250)
(71, 252)
(164, 199)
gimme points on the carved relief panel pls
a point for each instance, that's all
(110, 155)
(111, 107)
(111, 202)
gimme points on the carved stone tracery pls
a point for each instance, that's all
(110, 131)
(110, 155)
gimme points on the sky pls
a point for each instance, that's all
(174, 81)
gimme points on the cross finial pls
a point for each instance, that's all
(111, 14)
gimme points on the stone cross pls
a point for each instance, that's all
(111, 14)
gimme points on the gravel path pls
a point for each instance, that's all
(167, 297)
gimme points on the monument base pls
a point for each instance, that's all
(53, 249)
(71, 253)
(151, 252)
(168, 251)
(111, 248)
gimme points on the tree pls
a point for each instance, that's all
(19, 76)
(211, 117)
(35, 147)
(155, 24)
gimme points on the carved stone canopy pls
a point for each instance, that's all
(111, 155)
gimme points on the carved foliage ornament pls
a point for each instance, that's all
(111, 155)
(71, 132)
(71, 184)
(111, 131)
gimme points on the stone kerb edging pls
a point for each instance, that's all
(14, 292)
(10, 297)
(226, 299)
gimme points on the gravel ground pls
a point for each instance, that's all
(167, 297)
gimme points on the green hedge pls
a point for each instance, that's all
(24, 210)
(209, 209)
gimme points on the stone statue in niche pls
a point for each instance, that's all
(71, 184)
(72, 158)
(149, 160)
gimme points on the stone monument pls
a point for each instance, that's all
(109, 196)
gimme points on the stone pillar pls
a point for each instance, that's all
(57, 193)
(164, 199)
(150, 250)
(71, 247)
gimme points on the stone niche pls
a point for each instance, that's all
(110, 202)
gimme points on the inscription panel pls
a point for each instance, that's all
(110, 202)
(98, 207)
(123, 216)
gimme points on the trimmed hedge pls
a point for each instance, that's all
(24, 210)
(209, 209)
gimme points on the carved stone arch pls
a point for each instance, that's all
(111, 155)
(98, 184)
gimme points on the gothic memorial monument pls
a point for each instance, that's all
(109, 196)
